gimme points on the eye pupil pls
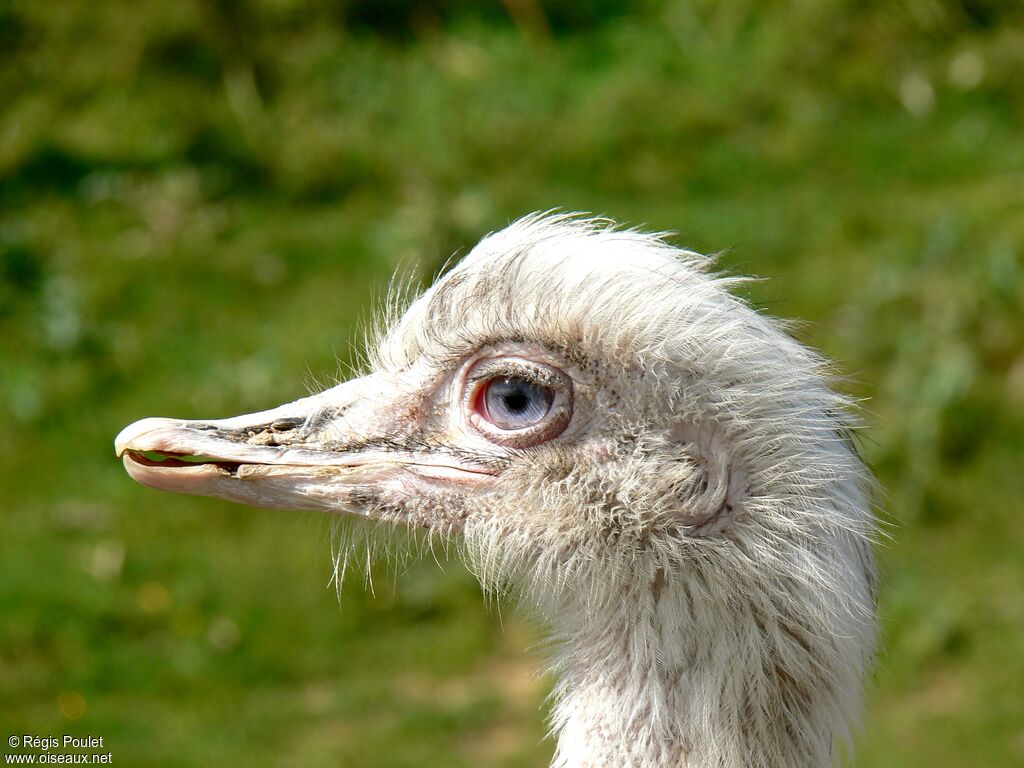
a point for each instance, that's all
(516, 403)
(510, 402)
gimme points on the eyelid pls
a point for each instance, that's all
(514, 369)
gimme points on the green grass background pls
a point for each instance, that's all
(198, 201)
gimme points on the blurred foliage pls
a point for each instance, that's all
(198, 201)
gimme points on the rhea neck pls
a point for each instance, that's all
(665, 676)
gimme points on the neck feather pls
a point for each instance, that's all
(670, 674)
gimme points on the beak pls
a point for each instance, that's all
(335, 451)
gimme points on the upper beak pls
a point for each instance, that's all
(325, 452)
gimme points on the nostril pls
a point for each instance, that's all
(278, 432)
(284, 425)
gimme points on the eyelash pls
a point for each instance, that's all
(490, 369)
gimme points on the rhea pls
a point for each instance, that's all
(662, 472)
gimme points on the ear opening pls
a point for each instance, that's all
(710, 485)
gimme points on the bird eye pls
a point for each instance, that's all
(510, 402)
(517, 401)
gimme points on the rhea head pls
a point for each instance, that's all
(661, 471)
